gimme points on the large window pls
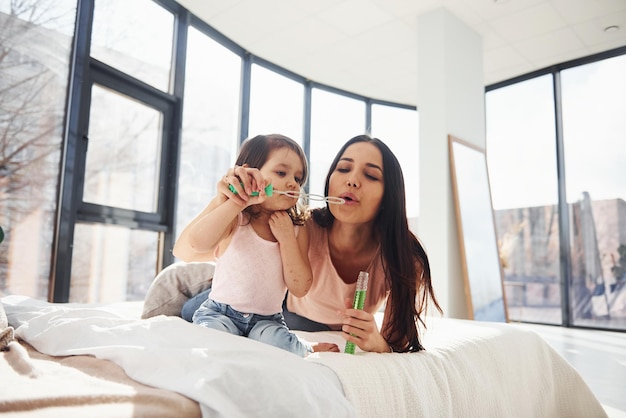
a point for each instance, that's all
(121, 186)
(594, 132)
(399, 129)
(276, 104)
(123, 140)
(210, 123)
(112, 263)
(135, 37)
(124, 152)
(522, 167)
(564, 259)
(334, 120)
(35, 40)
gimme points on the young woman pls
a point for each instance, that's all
(368, 233)
(260, 247)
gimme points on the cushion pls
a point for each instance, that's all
(174, 285)
(6, 332)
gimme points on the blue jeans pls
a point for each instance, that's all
(191, 306)
(293, 320)
(269, 329)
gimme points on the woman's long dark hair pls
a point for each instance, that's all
(255, 152)
(405, 262)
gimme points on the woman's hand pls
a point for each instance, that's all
(245, 180)
(360, 328)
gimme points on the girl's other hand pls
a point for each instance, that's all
(325, 347)
(281, 225)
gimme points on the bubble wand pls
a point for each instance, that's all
(269, 191)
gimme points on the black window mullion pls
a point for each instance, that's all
(125, 84)
(170, 161)
(565, 264)
(306, 134)
(74, 136)
(246, 75)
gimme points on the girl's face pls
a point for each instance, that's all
(284, 170)
(358, 178)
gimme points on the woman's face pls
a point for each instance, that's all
(358, 178)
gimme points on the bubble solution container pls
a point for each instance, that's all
(359, 301)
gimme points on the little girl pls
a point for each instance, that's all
(260, 248)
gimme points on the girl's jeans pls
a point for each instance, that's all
(269, 329)
(293, 320)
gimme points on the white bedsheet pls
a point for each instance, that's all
(228, 375)
(469, 369)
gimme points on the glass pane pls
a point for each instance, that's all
(135, 37)
(521, 156)
(276, 104)
(210, 123)
(334, 120)
(594, 105)
(399, 129)
(35, 40)
(123, 153)
(112, 263)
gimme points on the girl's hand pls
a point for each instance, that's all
(245, 180)
(281, 226)
(360, 328)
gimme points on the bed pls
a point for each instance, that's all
(107, 361)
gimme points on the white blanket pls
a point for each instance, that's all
(469, 369)
(228, 375)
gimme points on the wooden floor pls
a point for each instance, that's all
(599, 357)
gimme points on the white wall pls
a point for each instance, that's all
(450, 101)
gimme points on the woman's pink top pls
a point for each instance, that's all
(328, 290)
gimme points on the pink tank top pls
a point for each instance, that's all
(328, 291)
(249, 274)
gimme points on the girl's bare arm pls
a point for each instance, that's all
(198, 240)
(193, 244)
(293, 253)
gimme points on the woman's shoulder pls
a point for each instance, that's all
(318, 241)
(312, 226)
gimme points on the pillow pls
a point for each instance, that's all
(6, 332)
(174, 285)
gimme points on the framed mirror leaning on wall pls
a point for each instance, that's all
(482, 271)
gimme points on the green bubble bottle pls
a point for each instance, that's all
(359, 301)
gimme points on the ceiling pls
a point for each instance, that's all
(369, 47)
